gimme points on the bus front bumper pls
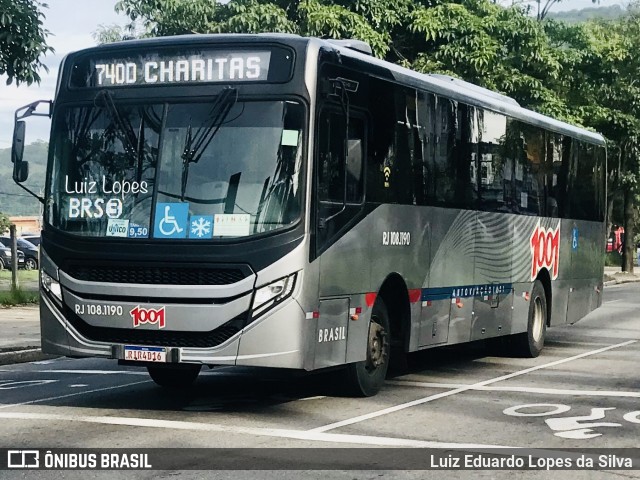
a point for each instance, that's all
(276, 341)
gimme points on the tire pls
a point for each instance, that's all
(365, 378)
(174, 376)
(530, 343)
(30, 264)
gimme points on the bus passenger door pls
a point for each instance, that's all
(341, 243)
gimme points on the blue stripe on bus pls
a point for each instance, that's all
(466, 291)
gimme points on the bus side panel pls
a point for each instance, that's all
(559, 301)
(452, 264)
(582, 300)
(494, 249)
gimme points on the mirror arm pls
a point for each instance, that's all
(40, 199)
(30, 110)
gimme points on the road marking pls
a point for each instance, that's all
(431, 398)
(613, 301)
(268, 432)
(96, 372)
(10, 405)
(547, 391)
(45, 362)
(11, 385)
(78, 385)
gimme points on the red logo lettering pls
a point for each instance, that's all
(147, 315)
(545, 250)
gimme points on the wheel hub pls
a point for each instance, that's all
(377, 351)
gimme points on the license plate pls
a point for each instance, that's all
(145, 354)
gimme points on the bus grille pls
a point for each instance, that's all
(160, 338)
(165, 275)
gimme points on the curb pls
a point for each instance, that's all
(619, 281)
(23, 356)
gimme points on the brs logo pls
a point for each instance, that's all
(144, 315)
(545, 250)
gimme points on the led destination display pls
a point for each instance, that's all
(268, 64)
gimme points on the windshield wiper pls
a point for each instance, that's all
(196, 145)
(104, 99)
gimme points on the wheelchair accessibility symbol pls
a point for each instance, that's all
(171, 220)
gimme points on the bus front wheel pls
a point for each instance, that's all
(365, 378)
(530, 343)
(174, 376)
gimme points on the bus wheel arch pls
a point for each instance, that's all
(530, 343)
(395, 294)
(387, 328)
(545, 279)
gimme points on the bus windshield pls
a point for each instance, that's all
(222, 168)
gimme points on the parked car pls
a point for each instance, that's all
(5, 258)
(615, 241)
(28, 250)
(35, 239)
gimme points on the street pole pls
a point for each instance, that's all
(14, 257)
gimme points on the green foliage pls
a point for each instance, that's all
(5, 223)
(17, 296)
(22, 40)
(612, 259)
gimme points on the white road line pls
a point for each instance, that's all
(546, 391)
(431, 398)
(95, 372)
(10, 405)
(268, 432)
(613, 301)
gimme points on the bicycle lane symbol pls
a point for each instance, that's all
(575, 428)
(171, 220)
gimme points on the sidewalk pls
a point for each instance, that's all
(20, 335)
(614, 275)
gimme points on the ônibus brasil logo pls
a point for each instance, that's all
(545, 250)
(147, 315)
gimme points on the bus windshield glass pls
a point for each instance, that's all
(224, 168)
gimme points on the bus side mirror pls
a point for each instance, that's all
(21, 171)
(20, 167)
(17, 147)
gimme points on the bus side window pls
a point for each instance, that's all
(336, 200)
(331, 157)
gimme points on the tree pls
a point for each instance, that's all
(22, 40)
(499, 48)
(5, 223)
(600, 68)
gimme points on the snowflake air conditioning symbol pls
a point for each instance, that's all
(201, 226)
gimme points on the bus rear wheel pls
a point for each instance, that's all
(530, 343)
(174, 376)
(365, 378)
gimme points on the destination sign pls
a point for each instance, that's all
(174, 67)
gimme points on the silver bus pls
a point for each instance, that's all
(279, 201)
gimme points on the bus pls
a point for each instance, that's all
(277, 201)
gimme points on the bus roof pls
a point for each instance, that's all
(471, 94)
(453, 88)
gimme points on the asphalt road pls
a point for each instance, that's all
(582, 392)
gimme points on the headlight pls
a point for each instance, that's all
(8, 253)
(50, 285)
(270, 295)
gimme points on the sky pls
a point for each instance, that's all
(71, 23)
